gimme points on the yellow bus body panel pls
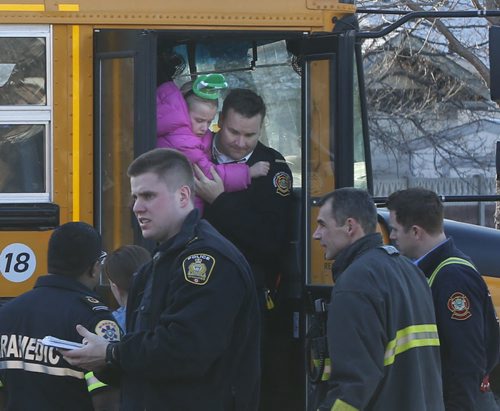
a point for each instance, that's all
(73, 24)
(494, 287)
(310, 15)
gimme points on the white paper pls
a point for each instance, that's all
(58, 343)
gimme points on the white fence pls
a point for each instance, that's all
(477, 184)
(476, 212)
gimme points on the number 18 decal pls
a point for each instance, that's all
(17, 262)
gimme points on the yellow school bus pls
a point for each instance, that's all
(77, 104)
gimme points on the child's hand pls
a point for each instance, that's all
(259, 169)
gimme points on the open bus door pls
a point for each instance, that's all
(336, 152)
(326, 145)
(125, 125)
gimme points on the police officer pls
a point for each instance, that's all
(257, 221)
(382, 334)
(466, 318)
(192, 337)
(34, 376)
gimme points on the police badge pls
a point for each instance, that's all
(197, 268)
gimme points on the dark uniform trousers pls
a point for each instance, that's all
(258, 220)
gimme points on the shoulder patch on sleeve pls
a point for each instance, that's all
(94, 303)
(197, 268)
(108, 329)
(389, 249)
(283, 183)
(459, 305)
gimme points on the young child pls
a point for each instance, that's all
(183, 120)
(120, 266)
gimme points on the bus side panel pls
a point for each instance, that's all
(62, 122)
(23, 253)
(86, 124)
(73, 122)
(22, 260)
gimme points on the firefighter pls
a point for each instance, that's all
(466, 318)
(34, 376)
(381, 329)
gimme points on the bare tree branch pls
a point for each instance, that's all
(456, 46)
(493, 5)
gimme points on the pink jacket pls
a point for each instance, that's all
(174, 131)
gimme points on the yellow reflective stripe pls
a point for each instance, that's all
(92, 382)
(411, 337)
(41, 368)
(450, 260)
(340, 405)
(326, 370)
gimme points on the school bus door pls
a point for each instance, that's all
(125, 125)
(337, 152)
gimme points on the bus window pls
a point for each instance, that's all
(321, 165)
(360, 173)
(117, 149)
(22, 153)
(25, 114)
(330, 139)
(23, 71)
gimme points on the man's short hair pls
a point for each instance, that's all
(354, 203)
(73, 248)
(417, 206)
(244, 102)
(121, 264)
(169, 165)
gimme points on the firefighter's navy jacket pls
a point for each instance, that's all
(194, 322)
(467, 324)
(256, 220)
(382, 335)
(36, 377)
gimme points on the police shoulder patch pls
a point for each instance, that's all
(283, 183)
(197, 268)
(108, 329)
(459, 305)
(94, 303)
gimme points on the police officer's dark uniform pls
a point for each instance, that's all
(256, 219)
(36, 377)
(386, 355)
(467, 324)
(194, 322)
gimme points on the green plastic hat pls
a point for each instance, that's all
(208, 86)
